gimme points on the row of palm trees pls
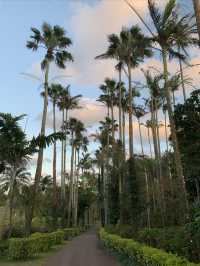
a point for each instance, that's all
(55, 43)
(172, 36)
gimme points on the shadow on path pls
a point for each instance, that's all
(82, 251)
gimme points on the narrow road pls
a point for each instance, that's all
(82, 251)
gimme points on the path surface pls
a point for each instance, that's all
(82, 251)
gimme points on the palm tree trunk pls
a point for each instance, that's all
(71, 188)
(123, 132)
(11, 198)
(178, 163)
(174, 100)
(54, 164)
(120, 105)
(130, 112)
(146, 178)
(197, 14)
(166, 134)
(41, 150)
(62, 165)
(65, 141)
(141, 141)
(167, 146)
(76, 191)
(149, 140)
(112, 118)
(182, 79)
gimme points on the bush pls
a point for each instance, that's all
(69, 233)
(183, 241)
(178, 240)
(139, 253)
(23, 248)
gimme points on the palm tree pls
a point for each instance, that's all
(109, 88)
(139, 112)
(66, 102)
(130, 47)
(76, 128)
(54, 92)
(135, 47)
(114, 51)
(81, 143)
(54, 41)
(197, 14)
(172, 31)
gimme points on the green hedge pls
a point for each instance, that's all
(139, 253)
(23, 248)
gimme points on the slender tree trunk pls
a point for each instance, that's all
(167, 146)
(182, 79)
(178, 163)
(62, 165)
(166, 134)
(71, 183)
(120, 105)
(112, 118)
(124, 133)
(174, 100)
(141, 141)
(65, 140)
(149, 140)
(41, 150)
(146, 179)
(197, 14)
(130, 112)
(11, 198)
(54, 166)
(76, 191)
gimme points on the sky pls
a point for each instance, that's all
(87, 23)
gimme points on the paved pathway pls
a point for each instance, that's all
(82, 251)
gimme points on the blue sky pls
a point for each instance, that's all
(87, 22)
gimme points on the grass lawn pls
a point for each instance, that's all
(38, 261)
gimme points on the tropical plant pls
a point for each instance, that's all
(172, 31)
(55, 43)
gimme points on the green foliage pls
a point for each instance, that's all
(140, 253)
(69, 233)
(23, 248)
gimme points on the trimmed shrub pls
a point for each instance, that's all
(23, 248)
(139, 253)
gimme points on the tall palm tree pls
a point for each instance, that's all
(172, 30)
(130, 47)
(139, 112)
(54, 93)
(63, 98)
(76, 128)
(55, 43)
(135, 47)
(114, 51)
